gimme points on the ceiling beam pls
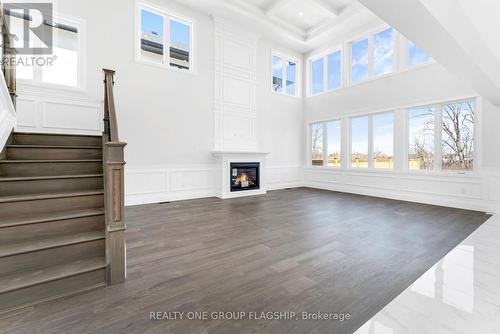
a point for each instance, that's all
(324, 5)
(256, 13)
(275, 6)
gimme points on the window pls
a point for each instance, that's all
(359, 61)
(383, 52)
(359, 142)
(180, 44)
(277, 74)
(284, 72)
(317, 76)
(334, 70)
(158, 29)
(291, 78)
(383, 140)
(421, 138)
(66, 64)
(152, 36)
(333, 133)
(458, 136)
(453, 125)
(372, 56)
(317, 139)
(416, 56)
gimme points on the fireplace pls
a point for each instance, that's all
(244, 176)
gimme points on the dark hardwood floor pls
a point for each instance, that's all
(299, 250)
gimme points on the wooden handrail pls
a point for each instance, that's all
(110, 121)
(114, 198)
(8, 56)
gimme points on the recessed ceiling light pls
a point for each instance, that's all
(301, 14)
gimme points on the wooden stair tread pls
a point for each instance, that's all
(56, 134)
(26, 279)
(54, 146)
(48, 161)
(50, 217)
(51, 242)
(36, 197)
(56, 177)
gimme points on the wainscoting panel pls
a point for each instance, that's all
(144, 184)
(473, 191)
(49, 112)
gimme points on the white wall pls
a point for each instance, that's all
(427, 84)
(166, 117)
(7, 113)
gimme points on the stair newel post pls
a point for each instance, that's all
(114, 165)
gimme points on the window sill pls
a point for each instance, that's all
(165, 67)
(447, 174)
(285, 95)
(372, 79)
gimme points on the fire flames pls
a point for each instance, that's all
(244, 180)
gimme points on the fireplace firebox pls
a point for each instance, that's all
(245, 176)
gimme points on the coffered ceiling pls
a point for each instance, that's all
(302, 24)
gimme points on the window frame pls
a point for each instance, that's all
(325, 56)
(167, 15)
(401, 145)
(406, 57)
(81, 86)
(285, 58)
(438, 137)
(371, 54)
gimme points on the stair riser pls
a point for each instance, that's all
(16, 209)
(50, 169)
(35, 232)
(51, 290)
(34, 139)
(51, 257)
(21, 153)
(50, 186)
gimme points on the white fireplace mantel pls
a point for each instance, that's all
(224, 160)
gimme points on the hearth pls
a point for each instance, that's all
(244, 176)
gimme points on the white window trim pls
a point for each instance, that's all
(37, 82)
(298, 77)
(371, 49)
(325, 56)
(400, 56)
(167, 16)
(438, 137)
(406, 58)
(400, 156)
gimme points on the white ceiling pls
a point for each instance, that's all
(303, 25)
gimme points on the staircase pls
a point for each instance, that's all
(52, 218)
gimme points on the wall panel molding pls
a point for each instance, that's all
(235, 63)
(155, 184)
(473, 192)
(58, 113)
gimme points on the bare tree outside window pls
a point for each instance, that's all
(458, 136)
(421, 138)
(317, 139)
